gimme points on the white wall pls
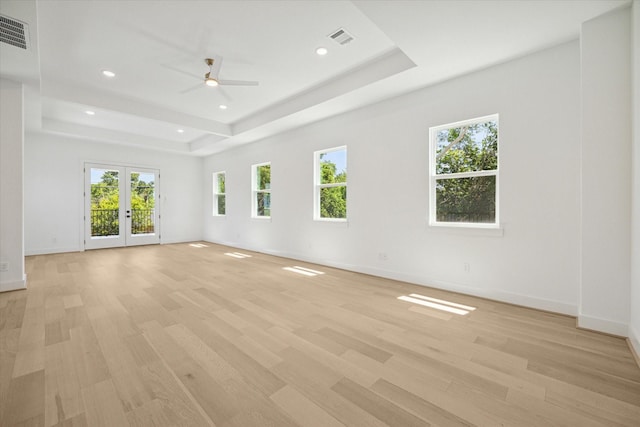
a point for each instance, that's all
(535, 262)
(11, 188)
(54, 189)
(634, 325)
(606, 173)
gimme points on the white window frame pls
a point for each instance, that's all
(217, 194)
(318, 185)
(433, 176)
(255, 191)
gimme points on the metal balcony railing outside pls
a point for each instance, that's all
(105, 222)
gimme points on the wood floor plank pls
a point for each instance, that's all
(123, 369)
(376, 405)
(30, 358)
(184, 335)
(550, 413)
(316, 386)
(203, 389)
(428, 411)
(102, 405)
(151, 414)
(63, 397)
(77, 421)
(302, 410)
(12, 310)
(90, 364)
(172, 397)
(355, 344)
(25, 400)
(8, 350)
(326, 359)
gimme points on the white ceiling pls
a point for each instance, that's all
(157, 50)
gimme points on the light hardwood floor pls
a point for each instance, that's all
(184, 335)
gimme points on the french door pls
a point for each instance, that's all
(121, 206)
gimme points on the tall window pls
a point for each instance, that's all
(330, 200)
(219, 196)
(464, 173)
(261, 184)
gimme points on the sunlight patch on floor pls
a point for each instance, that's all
(438, 304)
(302, 270)
(198, 245)
(237, 255)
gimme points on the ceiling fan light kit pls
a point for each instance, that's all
(211, 77)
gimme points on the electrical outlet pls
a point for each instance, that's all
(382, 256)
(4, 266)
(467, 267)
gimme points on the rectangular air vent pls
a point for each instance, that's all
(341, 36)
(14, 32)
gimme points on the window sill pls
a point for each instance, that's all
(467, 230)
(336, 222)
(262, 218)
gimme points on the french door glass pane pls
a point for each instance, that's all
(142, 203)
(105, 203)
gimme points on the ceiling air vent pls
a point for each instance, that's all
(14, 32)
(341, 36)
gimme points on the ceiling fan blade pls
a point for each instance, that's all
(191, 89)
(178, 70)
(238, 83)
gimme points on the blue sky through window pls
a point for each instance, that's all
(96, 175)
(339, 158)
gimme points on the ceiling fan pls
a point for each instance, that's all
(211, 77)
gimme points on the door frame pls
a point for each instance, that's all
(125, 238)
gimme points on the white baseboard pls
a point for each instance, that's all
(47, 251)
(493, 294)
(14, 286)
(603, 325)
(634, 343)
(176, 241)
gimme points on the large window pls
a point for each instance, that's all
(330, 200)
(219, 196)
(261, 194)
(464, 173)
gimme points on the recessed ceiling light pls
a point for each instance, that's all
(108, 73)
(180, 130)
(90, 113)
(223, 107)
(322, 51)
